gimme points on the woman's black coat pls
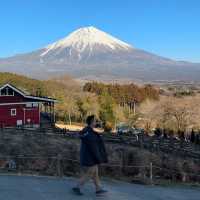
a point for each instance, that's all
(92, 150)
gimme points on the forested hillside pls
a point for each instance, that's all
(123, 93)
(38, 87)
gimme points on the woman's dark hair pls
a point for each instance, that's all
(90, 119)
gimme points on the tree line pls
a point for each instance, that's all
(123, 93)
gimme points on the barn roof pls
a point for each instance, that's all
(25, 95)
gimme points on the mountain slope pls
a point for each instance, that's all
(89, 53)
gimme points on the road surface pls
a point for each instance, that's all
(47, 188)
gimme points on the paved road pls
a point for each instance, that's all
(45, 188)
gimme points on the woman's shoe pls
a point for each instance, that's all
(101, 191)
(77, 191)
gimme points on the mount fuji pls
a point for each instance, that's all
(89, 53)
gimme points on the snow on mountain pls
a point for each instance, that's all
(87, 38)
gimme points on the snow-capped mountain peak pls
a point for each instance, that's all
(87, 38)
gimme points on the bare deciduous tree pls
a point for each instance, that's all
(178, 114)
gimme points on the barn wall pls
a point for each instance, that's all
(33, 115)
(6, 120)
(12, 99)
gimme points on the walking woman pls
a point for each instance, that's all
(92, 154)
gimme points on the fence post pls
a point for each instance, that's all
(141, 141)
(122, 162)
(151, 173)
(59, 170)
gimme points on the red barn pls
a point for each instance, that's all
(19, 109)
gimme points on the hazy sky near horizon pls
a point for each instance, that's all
(170, 28)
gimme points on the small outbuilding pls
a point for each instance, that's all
(20, 109)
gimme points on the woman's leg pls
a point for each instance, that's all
(96, 179)
(84, 177)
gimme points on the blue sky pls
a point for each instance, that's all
(170, 28)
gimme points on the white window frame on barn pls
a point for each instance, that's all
(13, 112)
